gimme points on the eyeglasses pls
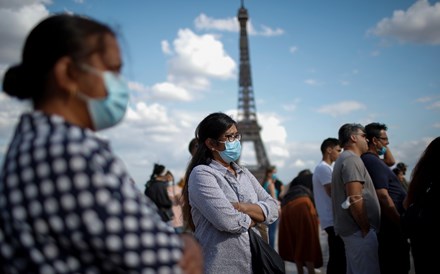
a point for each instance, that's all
(362, 134)
(232, 138)
(383, 138)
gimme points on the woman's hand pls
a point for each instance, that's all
(236, 206)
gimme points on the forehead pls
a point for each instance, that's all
(108, 51)
(231, 130)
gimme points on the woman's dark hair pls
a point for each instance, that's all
(55, 37)
(425, 172)
(212, 126)
(158, 170)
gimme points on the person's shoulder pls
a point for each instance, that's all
(213, 169)
(322, 167)
(369, 156)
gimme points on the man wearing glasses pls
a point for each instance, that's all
(355, 205)
(393, 245)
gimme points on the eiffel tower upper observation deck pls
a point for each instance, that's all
(247, 115)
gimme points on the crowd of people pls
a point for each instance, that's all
(68, 204)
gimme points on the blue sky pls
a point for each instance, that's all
(315, 65)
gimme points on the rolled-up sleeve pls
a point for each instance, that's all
(211, 203)
(267, 203)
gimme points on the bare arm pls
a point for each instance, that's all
(387, 205)
(328, 189)
(254, 211)
(272, 189)
(358, 210)
(388, 158)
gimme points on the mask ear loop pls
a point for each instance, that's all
(346, 204)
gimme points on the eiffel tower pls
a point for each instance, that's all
(247, 123)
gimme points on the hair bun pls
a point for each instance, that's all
(14, 83)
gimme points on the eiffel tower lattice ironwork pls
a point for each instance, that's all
(247, 115)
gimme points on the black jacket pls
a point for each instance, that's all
(157, 192)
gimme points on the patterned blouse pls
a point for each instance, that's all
(67, 206)
(220, 229)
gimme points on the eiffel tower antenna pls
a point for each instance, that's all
(247, 114)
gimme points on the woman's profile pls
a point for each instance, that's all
(67, 202)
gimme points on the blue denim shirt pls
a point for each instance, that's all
(221, 229)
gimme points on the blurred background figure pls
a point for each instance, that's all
(175, 194)
(401, 177)
(156, 189)
(270, 187)
(403, 167)
(422, 203)
(322, 179)
(67, 202)
(304, 178)
(192, 146)
(298, 235)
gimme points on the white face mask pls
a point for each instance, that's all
(346, 204)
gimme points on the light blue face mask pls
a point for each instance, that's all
(107, 112)
(232, 151)
(382, 151)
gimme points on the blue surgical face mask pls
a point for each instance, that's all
(274, 176)
(107, 112)
(382, 151)
(232, 151)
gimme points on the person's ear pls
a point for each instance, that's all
(65, 75)
(210, 143)
(353, 138)
(329, 150)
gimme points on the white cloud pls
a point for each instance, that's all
(267, 31)
(272, 131)
(434, 105)
(198, 59)
(293, 49)
(170, 91)
(204, 22)
(16, 19)
(423, 99)
(166, 47)
(419, 24)
(341, 108)
(312, 82)
(431, 102)
(291, 106)
(375, 53)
